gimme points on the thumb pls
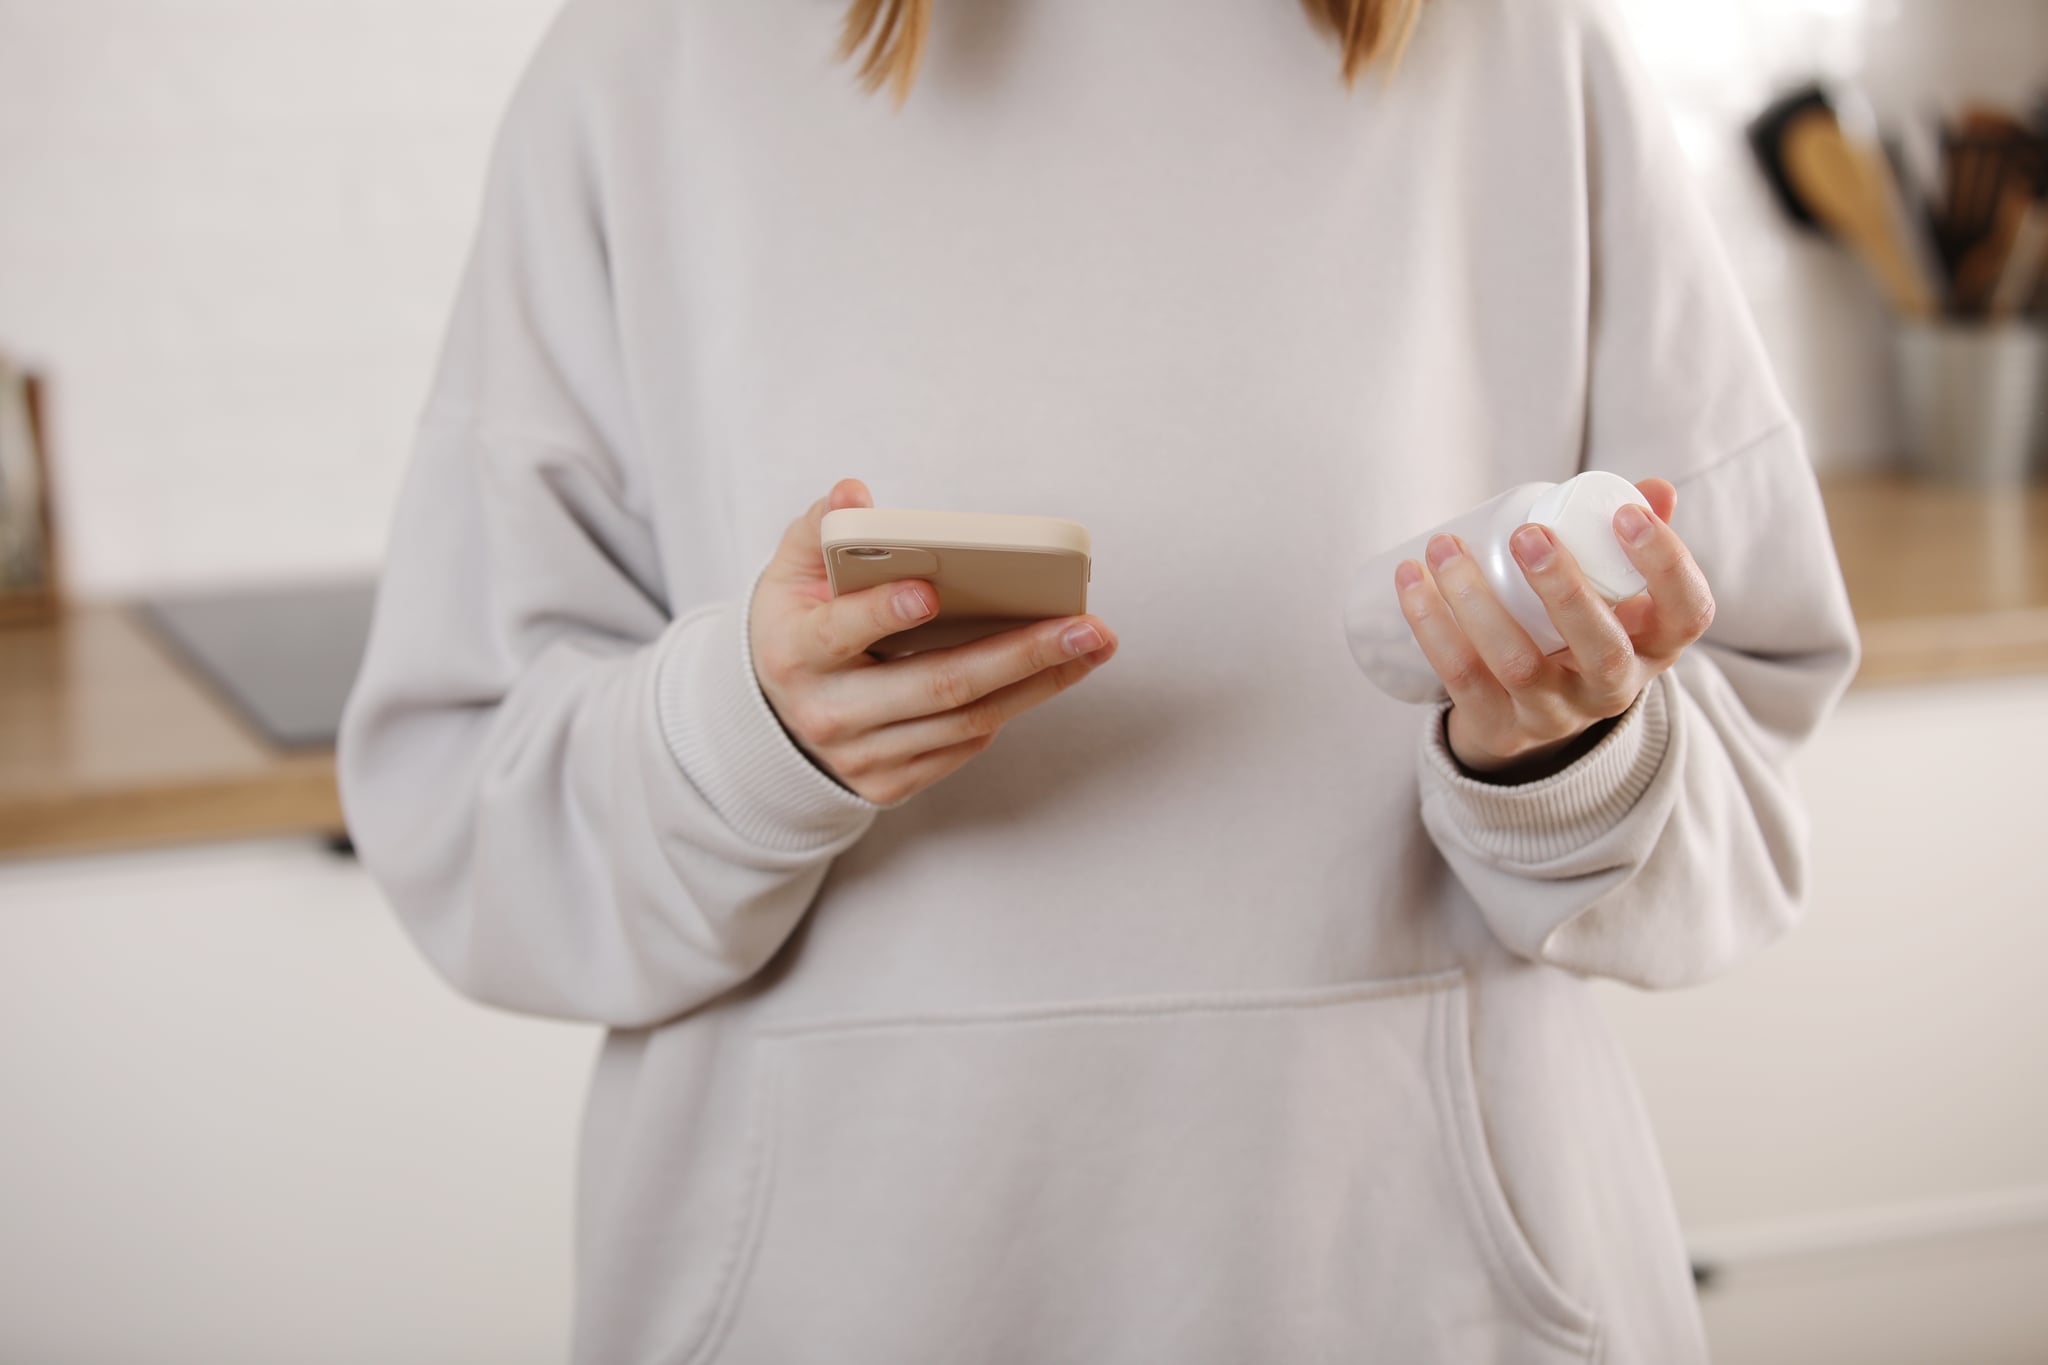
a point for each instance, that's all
(801, 555)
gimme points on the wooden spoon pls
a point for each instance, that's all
(1850, 192)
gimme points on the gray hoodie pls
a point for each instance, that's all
(1212, 1015)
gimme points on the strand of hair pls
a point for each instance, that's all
(894, 34)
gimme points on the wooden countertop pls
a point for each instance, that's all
(106, 741)
(1946, 583)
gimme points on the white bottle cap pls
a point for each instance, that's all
(1580, 512)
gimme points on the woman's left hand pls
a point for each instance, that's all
(1516, 713)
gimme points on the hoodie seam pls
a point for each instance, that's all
(1738, 451)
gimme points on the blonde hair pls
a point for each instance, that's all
(893, 32)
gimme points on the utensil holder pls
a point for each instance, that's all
(1975, 401)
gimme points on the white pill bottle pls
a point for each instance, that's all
(1579, 512)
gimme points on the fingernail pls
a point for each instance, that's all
(1635, 525)
(1532, 546)
(1082, 639)
(1408, 575)
(1442, 550)
(910, 604)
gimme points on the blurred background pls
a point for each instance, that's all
(229, 235)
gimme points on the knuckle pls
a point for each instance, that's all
(887, 791)
(827, 640)
(1701, 618)
(773, 665)
(1519, 668)
(857, 763)
(1465, 588)
(951, 686)
(1418, 609)
(1571, 597)
(1615, 666)
(1064, 673)
(980, 742)
(1462, 673)
(981, 718)
(816, 722)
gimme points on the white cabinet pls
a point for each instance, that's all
(1856, 1122)
(243, 1122)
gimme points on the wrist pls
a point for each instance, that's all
(1531, 764)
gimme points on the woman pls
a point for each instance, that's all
(1222, 1010)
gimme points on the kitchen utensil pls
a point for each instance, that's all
(1982, 267)
(1916, 173)
(2022, 274)
(1993, 167)
(1831, 184)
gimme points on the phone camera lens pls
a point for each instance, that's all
(868, 552)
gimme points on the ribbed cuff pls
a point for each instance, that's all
(726, 738)
(1540, 821)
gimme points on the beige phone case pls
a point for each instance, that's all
(993, 572)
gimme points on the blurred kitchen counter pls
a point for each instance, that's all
(106, 741)
(1947, 583)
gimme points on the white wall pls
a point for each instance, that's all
(232, 227)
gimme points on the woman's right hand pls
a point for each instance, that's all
(888, 730)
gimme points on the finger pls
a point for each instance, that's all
(912, 778)
(1600, 651)
(840, 630)
(1681, 605)
(902, 740)
(1445, 644)
(936, 681)
(800, 556)
(1504, 647)
(1663, 496)
(1635, 613)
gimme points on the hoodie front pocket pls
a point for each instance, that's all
(1298, 1175)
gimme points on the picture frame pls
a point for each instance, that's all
(29, 587)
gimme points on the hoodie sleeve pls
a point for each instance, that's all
(1677, 845)
(578, 801)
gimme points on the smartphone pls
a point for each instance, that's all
(993, 572)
